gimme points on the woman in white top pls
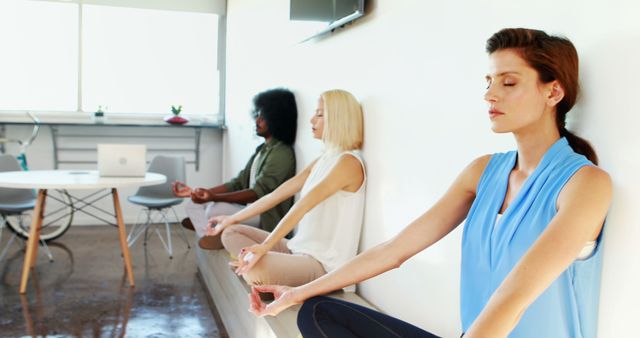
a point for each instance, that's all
(328, 214)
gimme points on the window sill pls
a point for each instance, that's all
(84, 118)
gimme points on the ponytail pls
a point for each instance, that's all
(579, 145)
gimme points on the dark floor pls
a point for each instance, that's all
(84, 293)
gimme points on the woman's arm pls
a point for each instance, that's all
(582, 206)
(437, 222)
(347, 174)
(284, 191)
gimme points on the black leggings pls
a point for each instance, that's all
(334, 318)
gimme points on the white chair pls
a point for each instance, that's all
(159, 198)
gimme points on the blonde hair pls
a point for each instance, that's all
(344, 123)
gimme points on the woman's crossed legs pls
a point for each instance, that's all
(279, 266)
(329, 317)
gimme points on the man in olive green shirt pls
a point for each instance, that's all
(272, 164)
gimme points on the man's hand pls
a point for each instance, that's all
(180, 189)
(201, 195)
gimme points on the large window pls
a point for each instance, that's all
(72, 57)
(38, 56)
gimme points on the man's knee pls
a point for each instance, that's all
(190, 205)
(220, 208)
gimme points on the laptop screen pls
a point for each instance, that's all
(122, 160)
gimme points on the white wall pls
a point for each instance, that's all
(418, 68)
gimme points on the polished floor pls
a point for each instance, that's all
(84, 292)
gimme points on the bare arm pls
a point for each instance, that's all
(582, 206)
(243, 196)
(284, 191)
(220, 194)
(427, 229)
(180, 189)
(347, 174)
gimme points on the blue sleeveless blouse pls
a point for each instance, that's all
(568, 308)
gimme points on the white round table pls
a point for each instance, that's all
(71, 179)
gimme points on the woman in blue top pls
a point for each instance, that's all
(530, 249)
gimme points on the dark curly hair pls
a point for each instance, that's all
(554, 58)
(278, 109)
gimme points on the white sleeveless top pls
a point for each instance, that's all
(330, 232)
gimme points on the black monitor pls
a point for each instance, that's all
(334, 13)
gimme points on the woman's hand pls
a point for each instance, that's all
(201, 195)
(218, 223)
(180, 189)
(284, 298)
(248, 257)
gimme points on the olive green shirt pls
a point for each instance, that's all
(276, 164)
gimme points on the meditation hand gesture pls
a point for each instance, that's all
(283, 299)
(201, 195)
(218, 223)
(248, 257)
(180, 189)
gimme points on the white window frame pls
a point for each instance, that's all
(203, 6)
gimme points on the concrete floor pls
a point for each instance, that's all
(84, 292)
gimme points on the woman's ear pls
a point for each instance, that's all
(556, 93)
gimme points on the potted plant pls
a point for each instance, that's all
(175, 118)
(98, 115)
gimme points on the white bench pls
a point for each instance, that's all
(229, 293)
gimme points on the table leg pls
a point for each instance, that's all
(34, 238)
(34, 257)
(123, 236)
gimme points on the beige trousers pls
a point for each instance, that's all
(279, 266)
(201, 213)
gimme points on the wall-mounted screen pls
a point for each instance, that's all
(329, 14)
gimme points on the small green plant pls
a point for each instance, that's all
(99, 112)
(176, 110)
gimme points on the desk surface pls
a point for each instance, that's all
(73, 179)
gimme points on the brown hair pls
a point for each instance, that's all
(553, 58)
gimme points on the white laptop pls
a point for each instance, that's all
(122, 160)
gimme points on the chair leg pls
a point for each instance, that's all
(182, 233)
(133, 227)
(168, 228)
(13, 237)
(144, 229)
(167, 242)
(6, 247)
(166, 247)
(46, 250)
